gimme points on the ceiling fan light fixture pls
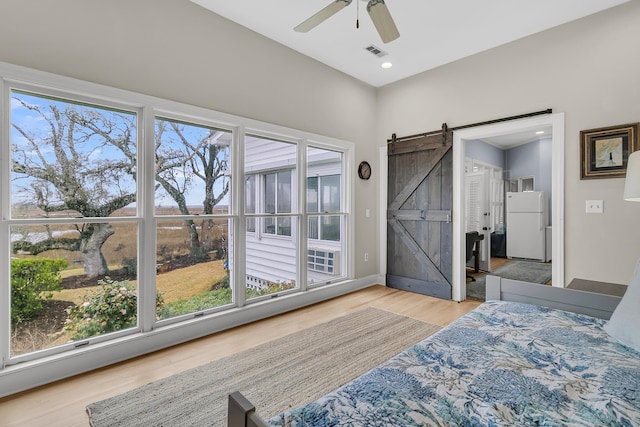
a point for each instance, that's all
(321, 16)
(382, 20)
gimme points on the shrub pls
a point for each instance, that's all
(271, 288)
(196, 303)
(130, 265)
(33, 281)
(222, 283)
(112, 308)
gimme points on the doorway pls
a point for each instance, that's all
(484, 209)
(555, 125)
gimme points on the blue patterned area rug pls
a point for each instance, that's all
(529, 271)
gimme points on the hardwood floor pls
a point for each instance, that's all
(495, 264)
(63, 403)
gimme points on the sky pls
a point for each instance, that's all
(93, 152)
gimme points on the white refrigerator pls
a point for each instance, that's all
(527, 221)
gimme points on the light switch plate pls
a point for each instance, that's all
(594, 206)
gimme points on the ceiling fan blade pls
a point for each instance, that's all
(321, 16)
(382, 20)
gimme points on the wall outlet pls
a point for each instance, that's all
(594, 206)
(366, 256)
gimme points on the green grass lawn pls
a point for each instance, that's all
(175, 285)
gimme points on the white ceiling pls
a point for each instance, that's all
(504, 142)
(432, 32)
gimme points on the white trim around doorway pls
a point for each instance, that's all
(556, 122)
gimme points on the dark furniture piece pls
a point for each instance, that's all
(499, 245)
(598, 287)
(473, 237)
(242, 413)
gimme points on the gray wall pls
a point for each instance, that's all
(590, 70)
(485, 153)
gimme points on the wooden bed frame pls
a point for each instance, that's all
(574, 300)
(242, 413)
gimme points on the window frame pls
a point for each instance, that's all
(277, 216)
(320, 179)
(8, 220)
(150, 334)
(159, 114)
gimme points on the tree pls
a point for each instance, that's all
(79, 162)
(179, 164)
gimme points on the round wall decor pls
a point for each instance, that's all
(364, 170)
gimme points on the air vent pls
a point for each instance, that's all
(376, 51)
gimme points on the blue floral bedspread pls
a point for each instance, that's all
(503, 364)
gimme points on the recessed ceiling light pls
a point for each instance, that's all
(387, 65)
(540, 132)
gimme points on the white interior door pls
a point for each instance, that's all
(478, 214)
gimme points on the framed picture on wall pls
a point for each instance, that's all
(604, 152)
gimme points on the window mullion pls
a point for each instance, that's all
(302, 217)
(238, 279)
(5, 266)
(147, 232)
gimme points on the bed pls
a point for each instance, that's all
(530, 355)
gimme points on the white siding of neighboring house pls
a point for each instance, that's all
(265, 155)
(271, 257)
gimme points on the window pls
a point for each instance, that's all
(277, 200)
(73, 207)
(192, 188)
(323, 195)
(272, 258)
(326, 245)
(122, 218)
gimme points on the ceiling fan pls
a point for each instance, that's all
(378, 12)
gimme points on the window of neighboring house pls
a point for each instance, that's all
(250, 200)
(323, 196)
(277, 200)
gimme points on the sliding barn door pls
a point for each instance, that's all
(419, 228)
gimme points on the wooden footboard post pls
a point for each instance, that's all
(242, 413)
